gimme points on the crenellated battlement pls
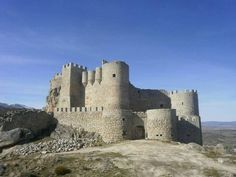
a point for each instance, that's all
(57, 76)
(189, 118)
(79, 109)
(73, 65)
(182, 91)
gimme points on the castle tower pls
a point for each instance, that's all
(116, 116)
(72, 90)
(161, 124)
(115, 80)
(185, 103)
(187, 110)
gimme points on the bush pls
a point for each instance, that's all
(28, 175)
(62, 170)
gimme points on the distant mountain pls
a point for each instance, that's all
(222, 125)
(13, 106)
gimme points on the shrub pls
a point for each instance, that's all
(28, 175)
(60, 170)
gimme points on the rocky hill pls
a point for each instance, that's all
(140, 158)
(13, 106)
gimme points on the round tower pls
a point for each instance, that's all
(116, 116)
(161, 124)
(98, 75)
(91, 77)
(116, 125)
(185, 102)
(115, 80)
(85, 78)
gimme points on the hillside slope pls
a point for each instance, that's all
(129, 158)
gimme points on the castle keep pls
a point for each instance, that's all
(104, 101)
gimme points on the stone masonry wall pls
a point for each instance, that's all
(144, 99)
(88, 118)
(161, 124)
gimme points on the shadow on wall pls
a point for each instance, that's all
(137, 126)
(144, 99)
(188, 132)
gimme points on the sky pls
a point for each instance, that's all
(168, 44)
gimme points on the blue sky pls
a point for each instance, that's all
(178, 44)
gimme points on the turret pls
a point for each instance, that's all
(85, 78)
(115, 80)
(91, 77)
(189, 121)
(185, 102)
(98, 75)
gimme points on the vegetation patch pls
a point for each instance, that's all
(93, 164)
(211, 172)
(111, 155)
(61, 170)
(212, 154)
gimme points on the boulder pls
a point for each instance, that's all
(12, 137)
(39, 122)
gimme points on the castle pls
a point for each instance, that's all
(104, 101)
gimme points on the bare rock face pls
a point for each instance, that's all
(52, 99)
(39, 122)
(12, 137)
(62, 139)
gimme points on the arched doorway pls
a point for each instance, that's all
(139, 132)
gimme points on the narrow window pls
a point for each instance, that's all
(123, 119)
(182, 103)
(160, 134)
(157, 135)
(113, 75)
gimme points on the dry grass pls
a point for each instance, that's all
(211, 172)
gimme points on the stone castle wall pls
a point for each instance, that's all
(89, 118)
(144, 99)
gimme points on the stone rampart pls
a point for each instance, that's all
(86, 117)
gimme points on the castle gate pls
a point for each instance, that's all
(139, 132)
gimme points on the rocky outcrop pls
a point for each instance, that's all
(12, 137)
(62, 139)
(52, 99)
(39, 122)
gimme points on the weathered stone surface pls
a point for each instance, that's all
(9, 138)
(39, 122)
(66, 139)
